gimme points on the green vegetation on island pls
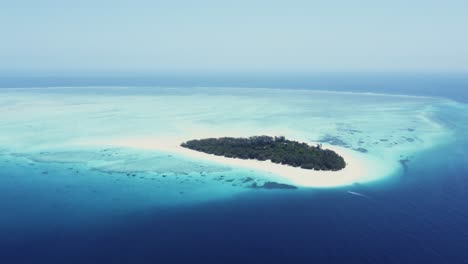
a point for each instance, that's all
(277, 149)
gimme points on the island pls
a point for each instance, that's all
(276, 149)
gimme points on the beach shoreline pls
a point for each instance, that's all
(356, 169)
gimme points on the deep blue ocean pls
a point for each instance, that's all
(418, 217)
(450, 85)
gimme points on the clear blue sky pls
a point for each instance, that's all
(294, 35)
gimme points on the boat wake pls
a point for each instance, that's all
(360, 194)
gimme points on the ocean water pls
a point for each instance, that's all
(448, 85)
(70, 194)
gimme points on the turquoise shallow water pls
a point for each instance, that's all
(57, 179)
(44, 124)
(75, 131)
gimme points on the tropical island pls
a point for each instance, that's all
(276, 149)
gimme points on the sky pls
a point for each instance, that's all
(241, 35)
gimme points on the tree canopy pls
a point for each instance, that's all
(277, 149)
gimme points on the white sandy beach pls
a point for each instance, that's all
(389, 128)
(355, 170)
